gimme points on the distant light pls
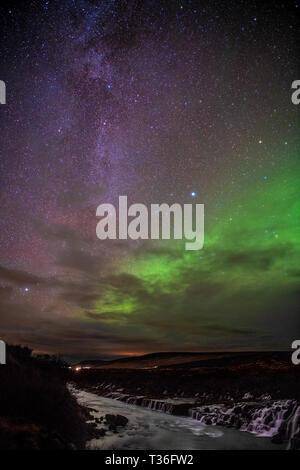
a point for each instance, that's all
(193, 194)
(26, 289)
(260, 141)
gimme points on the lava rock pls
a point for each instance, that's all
(115, 420)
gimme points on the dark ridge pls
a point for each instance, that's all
(37, 411)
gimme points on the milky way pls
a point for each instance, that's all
(163, 102)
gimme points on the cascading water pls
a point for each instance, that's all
(267, 421)
(276, 419)
(279, 418)
(293, 429)
(150, 430)
(158, 405)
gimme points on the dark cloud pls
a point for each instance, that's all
(79, 296)
(219, 329)
(258, 259)
(80, 260)
(5, 292)
(19, 277)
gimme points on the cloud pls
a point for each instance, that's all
(79, 295)
(80, 260)
(258, 259)
(19, 277)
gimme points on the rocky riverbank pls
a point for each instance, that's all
(264, 417)
(37, 411)
(254, 392)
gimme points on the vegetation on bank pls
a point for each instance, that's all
(37, 411)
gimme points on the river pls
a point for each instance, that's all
(153, 430)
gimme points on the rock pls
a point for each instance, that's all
(115, 420)
(248, 396)
(96, 433)
(238, 423)
(295, 442)
(71, 446)
(268, 418)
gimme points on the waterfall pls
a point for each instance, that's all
(278, 419)
(157, 405)
(293, 429)
(267, 421)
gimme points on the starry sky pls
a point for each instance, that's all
(162, 101)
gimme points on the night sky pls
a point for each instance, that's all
(162, 101)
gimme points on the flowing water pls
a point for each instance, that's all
(154, 430)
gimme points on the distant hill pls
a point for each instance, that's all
(186, 359)
(212, 376)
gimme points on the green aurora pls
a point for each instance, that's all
(233, 287)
